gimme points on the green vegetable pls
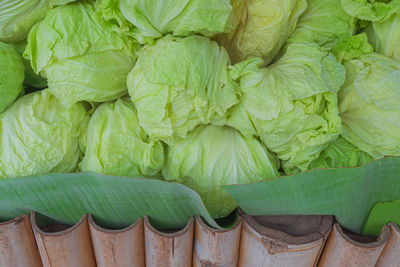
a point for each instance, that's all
(11, 75)
(260, 28)
(115, 144)
(31, 78)
(369, 104)
(179, 83)
(324, 22)
(155, 18)
(352, 47)
(38, 135)
(212, 156)
(385, 36)
(340, 153)
(292, 104)
(371, 10)
(82, 57)
(18, 16)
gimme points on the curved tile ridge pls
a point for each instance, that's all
(69, 247)
(283, 240)
(216, 247)
(123, 247)
(348, 250)
(391, 252)
(168, 249)
(17, 244)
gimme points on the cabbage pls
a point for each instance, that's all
(371, 10)
(385, 36)
(261, 27)
(115, 144)
(81, 57)
(369, 105)
(324, 22)
(292, 104)
(31, 78)
(11, 75)
(179, 83)
(39, 135)
(212, 156)
(340, 153)
(18, 16)
(155, 18)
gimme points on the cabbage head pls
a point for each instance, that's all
(154, 18)
(324, 22)
(369, 105)
(385, 36)
(179, 83)
(18, 16)
(11, 75)
(212, 156)
(31, 78)
(340, 153)
(260, 27)
(371, 10)
(292, 104)
(39, 135)
(115, 144)
(82, 57)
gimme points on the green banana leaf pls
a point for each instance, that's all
(381, 214)
(114, 202)
(347, 193)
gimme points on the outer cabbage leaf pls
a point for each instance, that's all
(371, 10)
(179, 83)
(324, 22)
(38, 135)
(352, 47)
(18, 16)
(115, 144)
(340, 153)
(155, 18)
(292, 104)
(369, 104)
(261, 27)
(385, 36)
(11, 75)
(31, 78)
(212, 156)
(82, 57)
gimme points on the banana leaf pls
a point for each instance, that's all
(381, 214)
(347, 193)
(114, 202)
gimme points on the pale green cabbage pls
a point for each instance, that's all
(18, 16)
(260, 27)
(212, 156)
(39, 135)
(31, 78)
(371, 10)
(82, 57)
(115, 144)
(292, 104)
(11, 75)
(340, 153)
(324, 22)
(369, 105)
(179, 83)
(155, 18)
(385, 36)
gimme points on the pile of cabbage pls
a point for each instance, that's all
(202, 92)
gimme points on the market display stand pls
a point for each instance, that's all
(252, 241)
